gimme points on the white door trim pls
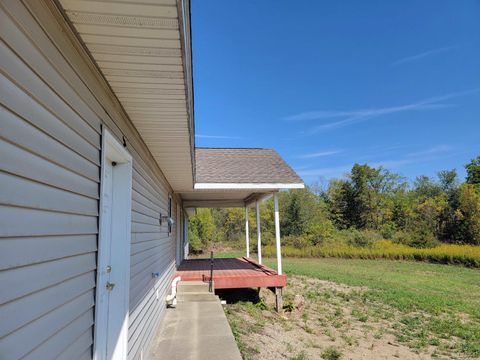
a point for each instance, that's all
(114, 227)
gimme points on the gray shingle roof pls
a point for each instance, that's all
(242, 165)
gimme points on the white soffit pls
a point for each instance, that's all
(231, 197)
(251, 186)
(142, 47)
(215, 198)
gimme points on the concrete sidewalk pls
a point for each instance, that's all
(196, 330)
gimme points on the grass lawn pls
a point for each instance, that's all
(433, 310)
(408, 286)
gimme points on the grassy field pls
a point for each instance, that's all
(430, 309)
(466, 255)
(408, 286)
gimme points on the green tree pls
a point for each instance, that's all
(473, 171)
(429, 213)
(297, 211)
(468, 214)
(364, 202)
(448, 180)
(194, 240)
(233, 228)
(367, 204)
(339, 199)
(366, 199)
(201, 229)
(448, 223)
(424, 187)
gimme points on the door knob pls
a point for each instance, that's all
(110, 286)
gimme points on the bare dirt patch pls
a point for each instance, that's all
(327, 320)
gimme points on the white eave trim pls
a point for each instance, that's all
(222, 186)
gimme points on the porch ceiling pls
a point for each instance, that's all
(143, 49)
(224, 198)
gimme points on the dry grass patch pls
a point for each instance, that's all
(327, 320)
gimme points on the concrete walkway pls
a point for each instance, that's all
(196, 330)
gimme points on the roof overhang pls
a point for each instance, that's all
(238, 177)
(143, 50)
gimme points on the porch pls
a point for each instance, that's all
(231, 273)
(239, 178)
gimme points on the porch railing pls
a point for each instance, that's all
(210, 283)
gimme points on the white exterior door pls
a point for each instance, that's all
(113, 265)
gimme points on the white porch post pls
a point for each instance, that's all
(247, 234)
(259, 233)
(277, 234)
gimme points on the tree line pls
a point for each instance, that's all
(367, 205)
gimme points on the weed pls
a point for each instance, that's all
(349, 340)
(329, 333)
(308, 329)
(261, 305)
(301, 356)
(304, 316)
(244, 350)
(331, 353)
(312, 294)
(360, 316)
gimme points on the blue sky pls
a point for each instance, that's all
(331, 83)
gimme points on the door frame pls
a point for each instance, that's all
(113, 151)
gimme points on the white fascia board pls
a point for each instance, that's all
(233, 186)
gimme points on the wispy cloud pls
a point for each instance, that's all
(330, 114)
(429, 154)
(363, 113)
(326, 171)
(202, 136)
(435, 150)
(319, 154)
(355, 116)
(422, 55)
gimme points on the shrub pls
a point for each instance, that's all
(401, 237)
(388, 230)
(320, 232)
(267, 238)
(364, 238)
(423, 238)
(297, 242)
(420, 238)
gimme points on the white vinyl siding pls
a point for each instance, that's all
(52, 108)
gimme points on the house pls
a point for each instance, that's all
(98, 171)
